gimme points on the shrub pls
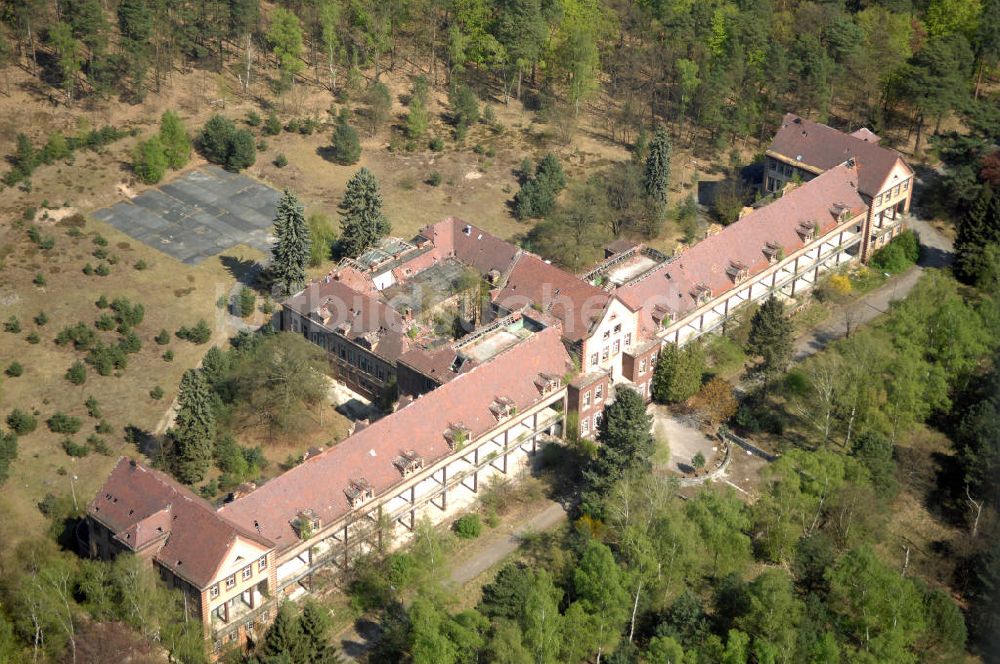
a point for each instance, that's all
(198, 334)
(98, 444)
(20, 422)
(247, 302)
(436, 144)
(14, 369)
(222, 143)
(537, 196)
(103, 427)
(93, 408)
(80, 335)
(39, 280)
(253, 119)
(62, 423)
(129, 342)
(100, 240)
(468, 526)
(149, 160)
(243, 151)
(168, 356)
(434, 179)
(100, 253)
(75, 449)
(127, 313)
(105, 322)
(102, 302)
(41, 319)
(13, 325)
(8, 452)
(281, 161)
(140, 265)
(272, 126)
(33, 338)
(102, 270)
(163, 338)
(77, 373)
(293, 126)
(106, 359)
(464, 108)
(346, 146)
(897, 256)
(156, 393)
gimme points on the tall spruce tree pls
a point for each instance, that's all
(677, 376)
(657, 172)
(626, 444)
(362, 222)
(315, 626)
(283, 637)
(977, 228)
(771, 337)
(193, 433)
(290, 252)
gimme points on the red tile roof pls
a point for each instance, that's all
(671, 286)
(356, 315)
(319, 482)
(140, 505)
(473, 246)
(822, 147)
(576, 303)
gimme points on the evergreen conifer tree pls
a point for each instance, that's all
(315, 625)
(283, 637)
(663, 376)
(362, 222)
(977, 228)
(290, 252)
(626, 444)
(346, 146)
(193, 433)
(175, 140)
(771, 337)
(658, 169)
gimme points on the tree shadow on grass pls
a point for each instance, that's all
(244, 270)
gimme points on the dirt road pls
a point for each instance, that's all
(936, 251)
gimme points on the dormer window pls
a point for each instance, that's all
(306, 523)
(408, 462)
(662, 316)
(457, 436)
(547, 383)
(738, 271)
(807, 230)
(358, 492)
(502, 408)
(774, 252)
(701, 293)
(840, 211)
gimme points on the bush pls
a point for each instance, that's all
(33, 338)
(77, 373)
(537, 196)
(464, 108)
(129, 342)
(20, 422)
(140, 265)
(105, 322)
(156, 393)
(106, 359)
(280, 161)
(93, 408)
(253, 119)
(897, 256)
(100, 253)
(243, 151)
(163, 338)
(102, 302)
(13, 325)
(272, 126)
(102, 270)
(198, 334)
(98, 444)
(14, 369)
(247, 302)
(436, 144)
(168, 356)
(41, 319)
(222, 143)
(80, 335)
(468, 526)
(434, 179)
(126, 313)
(346, 146)
(74, 449)
(39, 280)
(149, 160)
(63, 423)
(103, 427)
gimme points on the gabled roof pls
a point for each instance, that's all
(356, 315)
(419, 427)
(473, 246)
(743, 246)
(819, 148)
(141, 506)
(570, 299)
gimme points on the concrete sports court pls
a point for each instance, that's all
(198, 215)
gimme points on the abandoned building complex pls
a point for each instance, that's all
(542, 344)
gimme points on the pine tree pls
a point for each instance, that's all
(626, 444)
(346, 146)
(176, 143)
(978, 227)
(658, 169)
(362, 222)
(291, 246)
(663, 376)
(193, 433)
(283, 637)
(771, 337)
(315, 626)
(678, 372)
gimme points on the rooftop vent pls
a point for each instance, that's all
(408, 462)
(773, 251)
(701, 292)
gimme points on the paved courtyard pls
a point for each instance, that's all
(198, 215)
